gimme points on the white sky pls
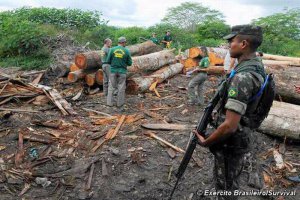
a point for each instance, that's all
(149, 12)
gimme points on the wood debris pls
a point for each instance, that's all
(152, 135)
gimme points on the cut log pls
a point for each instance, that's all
(74, 67)
(285, 79)
(88, 60)
(281, 58)
(90, 79)
(61, 69)
(76, 75)
(99, 77)
(152, 62)
(143, 48)
(195, 52)
(214, 70)
(282, 121)
(281, 62)
(141, 84)
(191, 62)
(92, 59)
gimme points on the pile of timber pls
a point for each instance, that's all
(88, 66)
(150, 64)
(17, 90)
(195, 54)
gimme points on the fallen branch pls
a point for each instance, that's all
(152, 135)
(18, 110)
(168, 127)
(97, 112)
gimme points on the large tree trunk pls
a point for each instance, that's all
(99, 77)
(76, 75)
(285, 79)
(92, 59)
(90, 79)
(151, 62)
(141, 84)
(281, 58)
(191, 62)
(143, 48)
(213, 70)
(283, 120)
(88, 60)
(281, 62)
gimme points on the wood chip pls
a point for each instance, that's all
(171, 153)
(278, 159)
(104, 168)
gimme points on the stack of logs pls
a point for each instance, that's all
(150, 65)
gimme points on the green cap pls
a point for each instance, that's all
(121, 39)
(244, 30)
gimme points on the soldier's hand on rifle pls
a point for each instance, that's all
(201, 139)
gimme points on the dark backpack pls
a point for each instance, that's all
(266, 97)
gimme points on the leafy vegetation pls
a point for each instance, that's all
(26, 32)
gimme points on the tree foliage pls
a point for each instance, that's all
(189, 14)
(281, 32)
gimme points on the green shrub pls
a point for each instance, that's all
(19, 37)
(61, 17)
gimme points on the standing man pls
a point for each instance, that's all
(167, 40)
(154, 39)
(231, 139)
(119, 58)
(105, 66)
(195, 87)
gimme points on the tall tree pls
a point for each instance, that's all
(281, 32)
(190, 14)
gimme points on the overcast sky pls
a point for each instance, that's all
(149, 12)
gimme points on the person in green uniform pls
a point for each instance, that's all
(105, 66)
(154, 39)
(231, 139)
(167, 40)
(195, 87)
(119, 58)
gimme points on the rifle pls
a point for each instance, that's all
(201, 128)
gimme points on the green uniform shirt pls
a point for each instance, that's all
(154, 40)
(119, 58)
(104, 53)
(168, 38)
(204, 63)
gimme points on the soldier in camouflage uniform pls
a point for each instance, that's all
(231, 139)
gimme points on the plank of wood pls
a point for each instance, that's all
(97, 112)
(37, 79)
(89, 183)
(18, 110)
(77, 96)
(168, 127)
(152, 135)
(118, 126)
(98, 144)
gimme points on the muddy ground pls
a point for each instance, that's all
(132, 165)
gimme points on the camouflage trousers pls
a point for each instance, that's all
(227, 169)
